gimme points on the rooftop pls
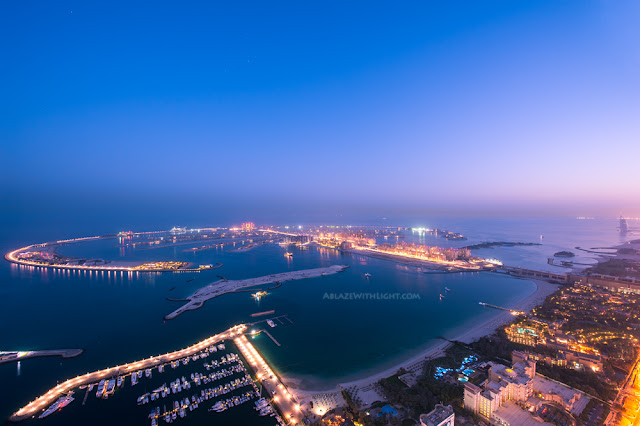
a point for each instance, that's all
(511, 414)
(437, 416)
(547, 386)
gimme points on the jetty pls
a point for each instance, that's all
(281, 397)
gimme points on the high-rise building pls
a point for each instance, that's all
(624, 228)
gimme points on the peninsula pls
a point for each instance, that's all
(218, 288)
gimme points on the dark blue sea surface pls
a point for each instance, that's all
(118, 317)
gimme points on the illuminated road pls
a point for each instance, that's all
(630, 389)
(285, 401)
(44, 401)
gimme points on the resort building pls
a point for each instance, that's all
(502, 397)
(528, 332)
(442, 415)
(503, 384)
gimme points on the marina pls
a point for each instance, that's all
(105, 376)
(221, 382)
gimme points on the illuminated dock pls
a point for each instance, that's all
(41, 403)
(281, 397)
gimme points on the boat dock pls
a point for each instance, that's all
(282, 398)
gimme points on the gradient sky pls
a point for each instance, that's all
(445, 104)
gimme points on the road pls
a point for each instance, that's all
(630, 389)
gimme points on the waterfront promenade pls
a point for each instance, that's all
(421, 262)
(284, 400)
(218, 288)
(42, 402)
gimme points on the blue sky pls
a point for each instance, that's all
(447, 104)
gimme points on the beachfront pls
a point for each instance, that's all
(365, 389)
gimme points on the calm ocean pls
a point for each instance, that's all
(117, 319)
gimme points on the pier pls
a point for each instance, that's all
(44, 401)
(272, 338)
(501, 308)
(282, 398)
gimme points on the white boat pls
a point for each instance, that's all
(58, 405)
(111, 386)
(100, 390)
(271, 323)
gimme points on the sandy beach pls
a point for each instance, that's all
(364, 388)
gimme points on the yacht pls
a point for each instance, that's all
(111, 386)
(100, 390)
(58, 405)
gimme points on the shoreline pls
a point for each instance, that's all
(364, 388)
